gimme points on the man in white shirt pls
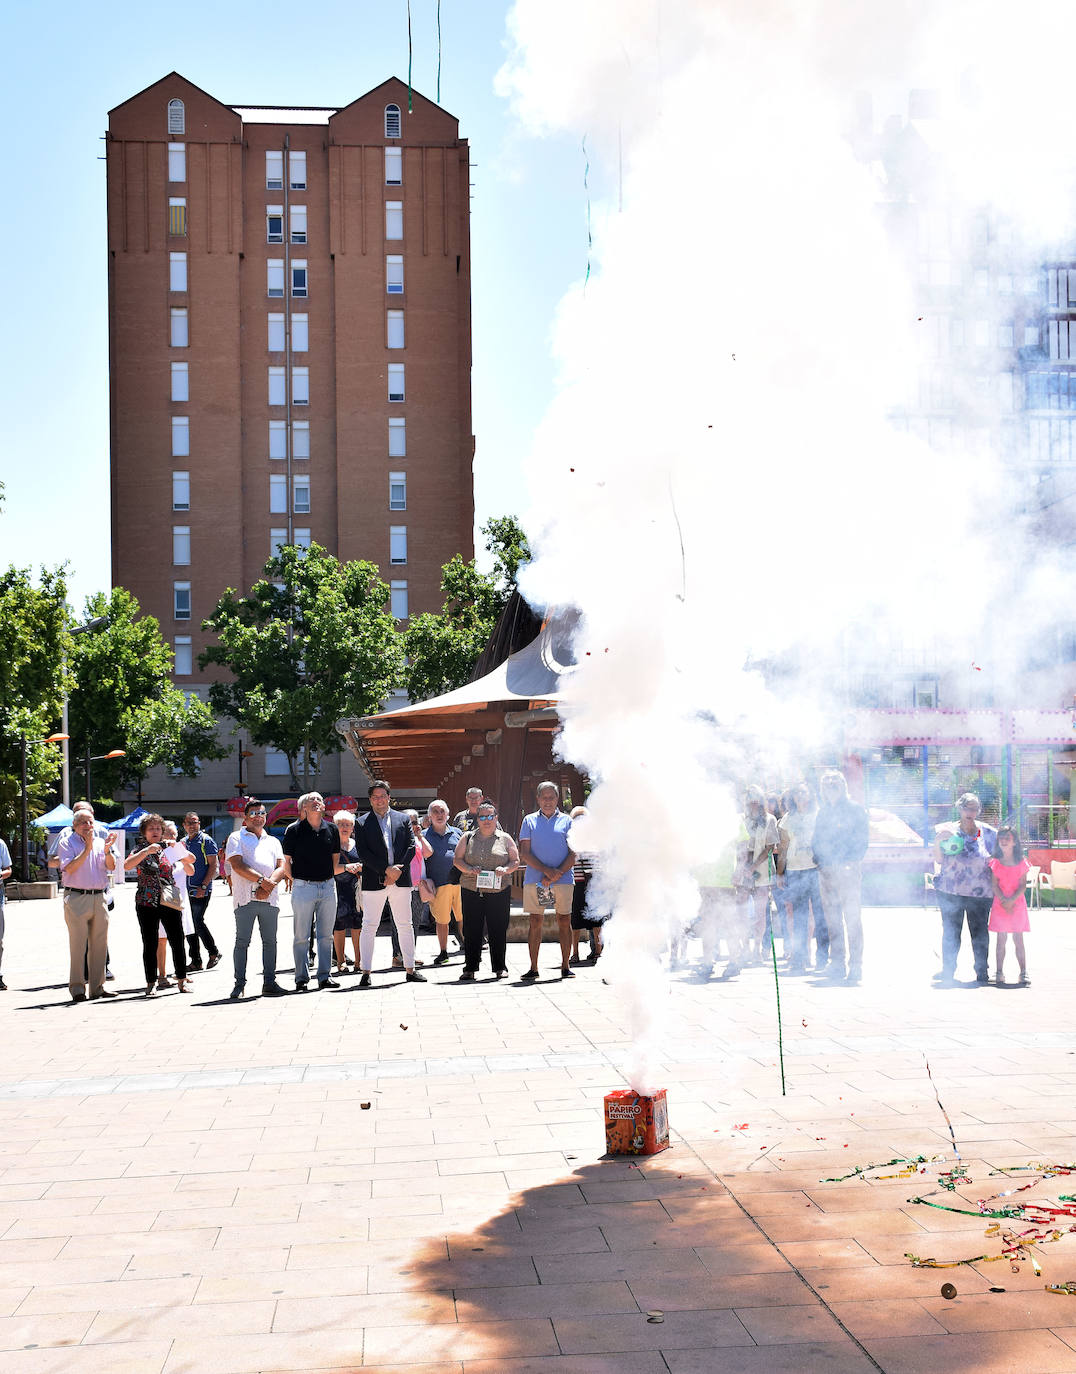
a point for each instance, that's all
(256, 862)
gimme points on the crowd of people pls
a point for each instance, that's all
(791, 872)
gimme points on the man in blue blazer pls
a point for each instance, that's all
(386, 845)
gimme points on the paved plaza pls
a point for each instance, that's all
(412, 1178)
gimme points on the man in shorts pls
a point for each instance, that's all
(544, 848)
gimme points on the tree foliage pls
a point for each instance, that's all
(34, 620)
(442, 648)
(310, 644)
(124, 698)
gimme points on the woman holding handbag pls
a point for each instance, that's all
(157, 902)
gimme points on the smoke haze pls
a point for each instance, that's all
(719, 482)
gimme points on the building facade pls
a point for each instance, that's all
(290, 356)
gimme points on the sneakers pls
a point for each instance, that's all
(110, 977)
(273, 990)
(414, 977)
(324, 983)
(442, 958)
(364, 981)
(302, 987)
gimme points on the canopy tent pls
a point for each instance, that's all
(130, 821)
(57, 819)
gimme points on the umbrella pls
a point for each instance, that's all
(130, 821)
(56, 819)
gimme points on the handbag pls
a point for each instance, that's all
(426, 889)
(170, 895)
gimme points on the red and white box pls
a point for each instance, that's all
(636, 1124)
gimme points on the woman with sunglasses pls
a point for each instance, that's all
(486, 858)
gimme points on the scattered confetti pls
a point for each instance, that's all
(365, 1106)
(403, 1026)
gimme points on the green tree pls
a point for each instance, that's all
(34, 620)
(442, 648)
(124, 698)
(312, 643)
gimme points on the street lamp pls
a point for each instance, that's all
(25, 744)
(98, 623)
(96, 758)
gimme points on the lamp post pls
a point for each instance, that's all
(98, 623)
(96, 758)
(25, 847)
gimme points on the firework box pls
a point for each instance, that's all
(635, 1124)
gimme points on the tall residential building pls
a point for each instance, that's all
(290, 352)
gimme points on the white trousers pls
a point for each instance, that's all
(373, 903)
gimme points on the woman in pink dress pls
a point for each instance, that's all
(1008, 915)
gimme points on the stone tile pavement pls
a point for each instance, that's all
(412, 1179)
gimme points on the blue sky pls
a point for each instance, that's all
(69, 64)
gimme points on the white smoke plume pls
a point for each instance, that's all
(719, 481)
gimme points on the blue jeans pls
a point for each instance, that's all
(801, 889)
(313, 905)
(266, 916)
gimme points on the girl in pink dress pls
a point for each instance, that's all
(1008, 915)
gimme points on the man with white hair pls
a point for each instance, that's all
(102, 832)
(86, 862)
(443, 876)
(840, 840)
(544, 848)
(312, 860)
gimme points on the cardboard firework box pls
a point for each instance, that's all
(635, 1124)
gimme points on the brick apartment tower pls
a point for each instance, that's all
(290, 352)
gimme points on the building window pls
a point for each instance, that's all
(395, 329)
(1005, 336)
(181, 546)
(1061, 288)
(278, 494)
(394, 219)
(397, 438)
(302, 539)
(393, 166)
(298, 223)
(396, 381)
(274, 171)
(300, 386)
(183, 653)
(181, 601)
(278, 539)
(392, 121)
(274, 277)
(981, 333)
(278, 439)
(1051, 390)
(181, 491)
(274, 224)
(177, 162)
(181, 436)
(301, 495)
(1032, 337)
(300, 334)
(177, 123)
(394, 275)
(398, 600)
(298, 277)
(277, 393)
(300, 439)
(177, 217)
(297, 171)
(178, 337)
(180, 382)
(1062, 335)
(276, 333)
(177, 271)
(276, 764)
(397, 491)
(398, 544)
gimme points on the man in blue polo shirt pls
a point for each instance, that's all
(200, 889)
(544, 848)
